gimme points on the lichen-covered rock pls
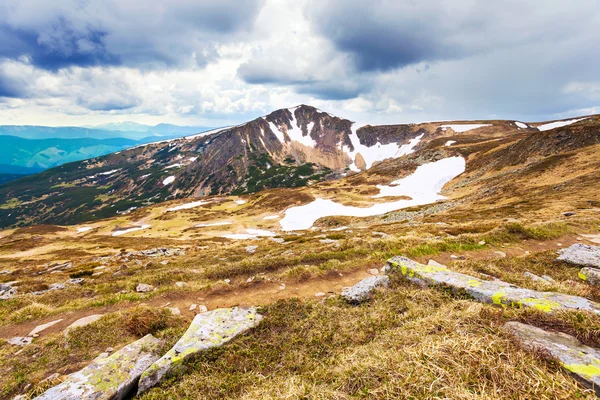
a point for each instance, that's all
(211, 329)
(496, 292)
(7, 292)
(581, 361)
(113, 377)
(590, 275)
(581, 254)
(362, 290)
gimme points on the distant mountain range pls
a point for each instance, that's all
(26, 150)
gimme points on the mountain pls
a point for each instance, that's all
(128, 130)
(287, 148)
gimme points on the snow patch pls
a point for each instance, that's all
(240, 202)
(463, 127)
(109, 172)
(270, 217)
(295, 134)
(188, 206)
(521, 125)
(174, 166)
(250, 234)
(84, 229)
(422, 186)
(276, 131)
(450, 143)
(134, 229)
(168, 180)
(558, 124)
(378, 152)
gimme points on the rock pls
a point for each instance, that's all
(20, 341)
(202, 308)
(83, 322)
(592, 238)
(373, 271)
(569, 213)
(250, 280)
(193, 307)
(454, 257)
(500, 253)
(581, 254)
(164, 262)
(36, 331)
(320, 294)
(7, 292)
(382, 235)
(251, 249)
(207, 330)
(590, 275)
(362, 290)
(143, 288)
(434, 263)
(174, 310)
(282, 286)
(180, 284)
(548, 278)
(227, 281)
(580, 360)
(495, 292)
(534, 277)
(112, 377)
(327, 241)
(278, 240)
(76, 281)
(481, 243)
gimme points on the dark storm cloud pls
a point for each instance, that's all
(384, 35)
(133, 33)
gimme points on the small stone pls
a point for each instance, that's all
(202, 309)
(143, 288)
(278, 240)
(569, 213)
(534, 277)
(227, 281)
(327, 241)
(282, 286)
(548, 278)
(164, 262)
(193, 307)
(454, 257)
(559, 244)
(174, 310)
(251, 249)
(249, 280)
(109, 350)
(180, 284)
(76, 281)
(382, 235)
(500, 253)
(373, 271)
(19, 341)
(482, 243)
(320, 294)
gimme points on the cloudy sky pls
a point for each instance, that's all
(216, 62)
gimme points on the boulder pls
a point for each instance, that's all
(590, 275)
(19, 341)
(143, 288)
(494, 292)
(581, 254)
(581, 361)
(362, 291)
(7, 292)
(251, 249)
(36, 331)
(112, 377)
(207, 330)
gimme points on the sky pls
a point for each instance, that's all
(220, 62)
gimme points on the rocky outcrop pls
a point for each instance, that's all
(211, 329)
(581, 361)
(581, 254)
(590, 275)
(495, 292)
(363, 290)
(113, 377)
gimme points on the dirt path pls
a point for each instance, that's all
(266, 292)
(254, 294)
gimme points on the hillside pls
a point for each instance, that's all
(489, 202)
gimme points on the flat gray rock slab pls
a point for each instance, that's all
(41, 328)
(113, 377)
(581, 254)
(590, 275)
(581, 361)
(83, 322)
(207, 330)
(363, 290)
(495, 292)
